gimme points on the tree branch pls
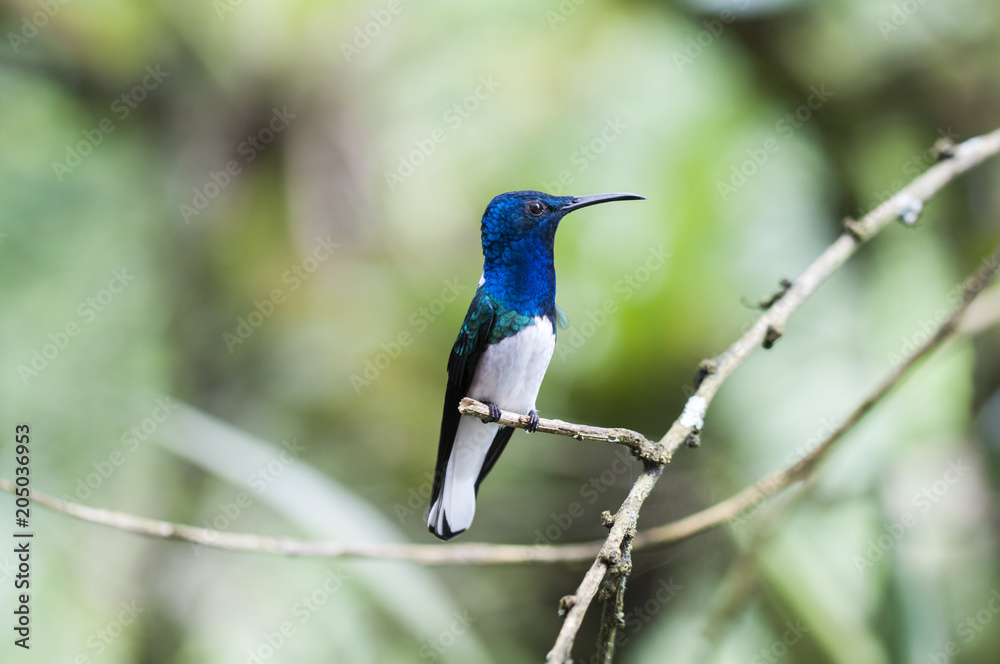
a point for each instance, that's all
(613, 620)
(425, 554)
(641, 446)
(766, 330)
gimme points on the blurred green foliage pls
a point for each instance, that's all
(227, 226)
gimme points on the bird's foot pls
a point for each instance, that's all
(532, 421)
(494, 412)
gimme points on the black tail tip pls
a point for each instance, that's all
(446, 532)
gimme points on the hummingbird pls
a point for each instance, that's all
(503, 348)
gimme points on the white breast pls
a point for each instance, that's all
(510, 372)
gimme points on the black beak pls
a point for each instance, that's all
(584, 201)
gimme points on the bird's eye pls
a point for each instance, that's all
(535, 208)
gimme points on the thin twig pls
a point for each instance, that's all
(641, 446)
(425, 554)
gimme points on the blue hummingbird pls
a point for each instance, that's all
(503, 348)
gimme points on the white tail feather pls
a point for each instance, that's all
(457, 501)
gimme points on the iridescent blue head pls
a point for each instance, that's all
(519, 230)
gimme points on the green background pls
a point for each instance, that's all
(254, 136)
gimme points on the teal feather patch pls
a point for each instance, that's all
(491, 320)
(561, 317)
(508, 322)
(480, 314)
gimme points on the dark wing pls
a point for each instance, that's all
(462, 364)
(496, 449)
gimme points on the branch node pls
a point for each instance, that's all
(651, 453)
(854, 229)
(766, 304)
(773, 333)
(566, 603)
(944, 149)
(611, 558)
(607, 519)
(705, 369)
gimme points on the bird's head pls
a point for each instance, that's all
(519, 230)
(523, 222)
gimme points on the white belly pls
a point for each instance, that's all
(510, 372)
